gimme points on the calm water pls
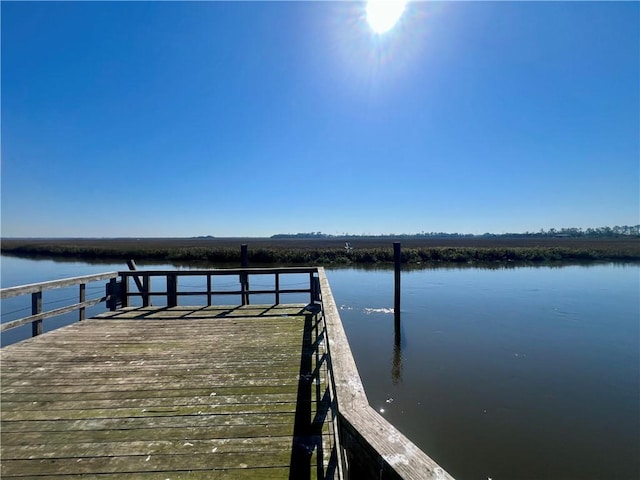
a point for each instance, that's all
(522, 373)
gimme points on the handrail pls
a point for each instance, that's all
(373, 448)
(51, 313)
(51, 284)
(172, 292)
(36, 289)
(220, 271)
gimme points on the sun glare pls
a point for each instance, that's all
(382, 15)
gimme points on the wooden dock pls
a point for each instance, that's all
(188, 392)
(179, 392)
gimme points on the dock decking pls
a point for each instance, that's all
(171, 393)
(187, 392)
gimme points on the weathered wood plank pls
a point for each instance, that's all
(147, 434)
(154, 447)
(165, 393)
(152, 393)
(176, 421)
(51, 313)
(145, 463)
(221, 400)
(164, 385)
(168, 410)
(272, 473)
(65, 282)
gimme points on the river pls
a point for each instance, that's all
(506, 373)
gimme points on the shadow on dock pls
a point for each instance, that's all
(312, 423)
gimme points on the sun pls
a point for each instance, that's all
(382, 15)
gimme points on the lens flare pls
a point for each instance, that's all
(382, 15)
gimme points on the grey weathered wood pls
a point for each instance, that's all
(66, 282)
(51, 313)
(157, 392)
(173, 294)
(221, 271)
(132, 266)
(169, 361)
(374, 448)
(36, 290)
(142, 285)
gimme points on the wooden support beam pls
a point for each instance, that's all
(143, 285)
(82, 298)
(172, 290)
(244, 278)
(36, 308)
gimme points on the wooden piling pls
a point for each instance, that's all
(396, 302)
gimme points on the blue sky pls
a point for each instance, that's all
(250, 119)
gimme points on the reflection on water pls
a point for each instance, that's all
(396, 365)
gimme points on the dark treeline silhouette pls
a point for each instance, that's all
(576, 232)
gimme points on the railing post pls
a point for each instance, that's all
(83, 297)
(277, 289)
(244, 277)
(36, 308)
(146, 288)
(312, 288)
(143, 287)
(124, 291)
(172, 290)
(209, 290)
(112, 294)
(315, 281)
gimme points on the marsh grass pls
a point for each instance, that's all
(366, 250)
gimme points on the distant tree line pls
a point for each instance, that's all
(599, 232)
(302, 235)
(615, 231)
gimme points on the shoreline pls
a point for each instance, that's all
(325, 252)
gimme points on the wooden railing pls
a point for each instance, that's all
(371, 448)
(36, 290)
(144, 286)
(120, 290)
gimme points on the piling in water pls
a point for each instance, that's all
(396, 302)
